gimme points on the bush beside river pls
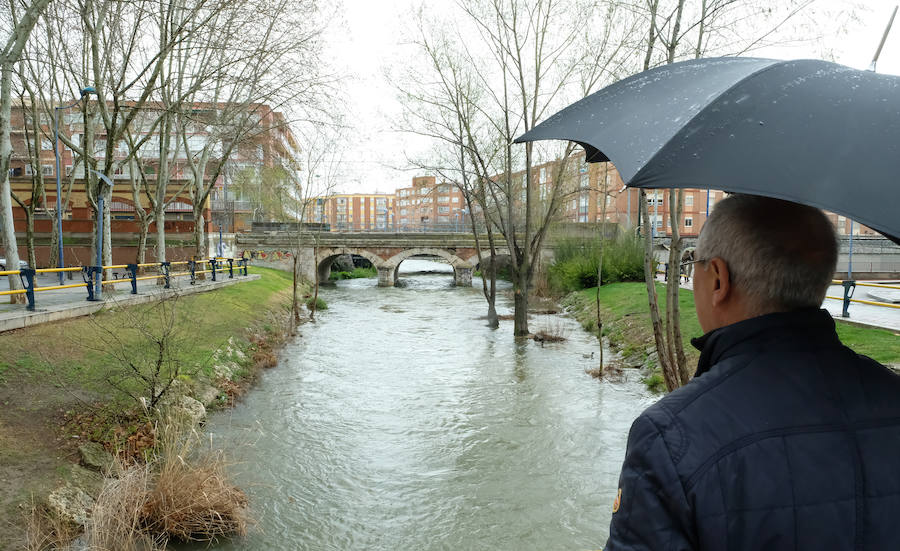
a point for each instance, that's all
(70, 392)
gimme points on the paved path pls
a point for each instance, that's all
(68, 303)
(865, 314)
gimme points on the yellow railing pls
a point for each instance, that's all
(27, 275)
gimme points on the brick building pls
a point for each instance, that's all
(270, 145)
(352, 211)
(427, 205)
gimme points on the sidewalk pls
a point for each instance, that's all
(861, 314)
(71, 303)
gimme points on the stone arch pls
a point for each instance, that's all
(462, 269)
(327, 255)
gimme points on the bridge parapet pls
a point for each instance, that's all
(386, 251)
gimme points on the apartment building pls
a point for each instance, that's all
(352, 211)
(260, 180)
(427, 205)
(268, 145)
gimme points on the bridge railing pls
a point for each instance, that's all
(93, 281)
(442, 227)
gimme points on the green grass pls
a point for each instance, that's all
(626, 319)
(75, 352)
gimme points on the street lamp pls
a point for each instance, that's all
(84, 92)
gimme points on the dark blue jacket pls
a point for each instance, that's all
(784, 440)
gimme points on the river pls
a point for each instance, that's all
(399, 421)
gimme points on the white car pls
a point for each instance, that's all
(22, 264)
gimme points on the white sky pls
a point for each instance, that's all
(367, 39)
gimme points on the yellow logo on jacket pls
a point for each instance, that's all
(618, 501)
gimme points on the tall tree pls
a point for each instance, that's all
(23, 20)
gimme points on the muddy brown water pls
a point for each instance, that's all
(398, 421)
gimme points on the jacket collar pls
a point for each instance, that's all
(723, 342)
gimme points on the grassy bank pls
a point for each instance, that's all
(626, 321)
(67, 383)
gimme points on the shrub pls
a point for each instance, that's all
(655, 383)
(357, 273)
(319, 303)
(577, 260)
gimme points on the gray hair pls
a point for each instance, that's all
(781, 255)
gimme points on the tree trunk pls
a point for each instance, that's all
(11, 251)
(315, 300)
(107, 237)
(52, 260)
(673, 288)
(199, 240)
(669, 374)
(160, 234)
(295, 305)
(520, 304)
(141, 255)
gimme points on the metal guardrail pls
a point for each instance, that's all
(93, 276)
(850, 287)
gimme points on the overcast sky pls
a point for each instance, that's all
(367, 38)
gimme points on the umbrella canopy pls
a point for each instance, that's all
(807, 131)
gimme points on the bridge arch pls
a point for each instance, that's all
(462, 269)
(326, 257)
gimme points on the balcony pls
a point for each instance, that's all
(232, 206)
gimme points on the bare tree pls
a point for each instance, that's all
(528, 58)
(23, 19)
(279, 68)
(320, 174)
(685, 30)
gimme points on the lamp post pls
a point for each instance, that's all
(98, 285)
(84, 92)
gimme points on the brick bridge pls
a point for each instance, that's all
(384, 250)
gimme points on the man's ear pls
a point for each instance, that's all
(721, 281)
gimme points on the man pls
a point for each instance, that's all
(785, 439)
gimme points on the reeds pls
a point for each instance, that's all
(181, 493)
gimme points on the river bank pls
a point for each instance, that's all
(401, 421)
(66, 392)
(626, 322)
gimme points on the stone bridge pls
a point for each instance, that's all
(386, 251)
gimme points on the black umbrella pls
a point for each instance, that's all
(807, 131)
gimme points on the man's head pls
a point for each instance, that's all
(760, 255)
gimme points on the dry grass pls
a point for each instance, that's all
(45, 530)
(552, 330)
(181, 493)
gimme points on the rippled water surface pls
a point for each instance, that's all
(399, 421)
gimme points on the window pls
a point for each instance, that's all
(454, 199)
(688, 222)
(341, 200)
(28, 170)
(443, 210)
(585, 181)
(443, 199)
(15, 171)
(47, 170)
(403, 211)
(69, 170)
(543, 174)
(689, 200)
(46, 144)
